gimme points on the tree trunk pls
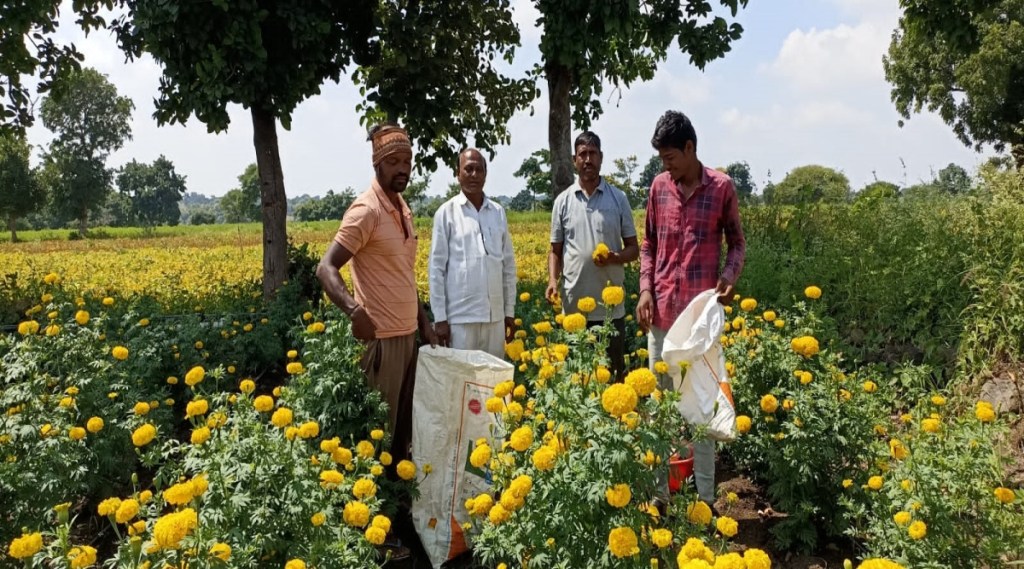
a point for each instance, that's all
(12, 223)
(272, 194)
(559, 127)
(83, 223)
(1017, 152)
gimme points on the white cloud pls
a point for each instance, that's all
(832, 58)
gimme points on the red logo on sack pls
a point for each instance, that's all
(474, 406)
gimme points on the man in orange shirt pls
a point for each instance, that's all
(378, 237)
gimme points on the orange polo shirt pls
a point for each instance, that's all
(383, 264)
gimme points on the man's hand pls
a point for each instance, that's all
(551, 293)
(427, 334)
(510, 328)
(443, 334)
(362, 327)
(725, 290)
(645, 311)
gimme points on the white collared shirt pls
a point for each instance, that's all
(472, 266)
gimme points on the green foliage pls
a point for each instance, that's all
(947, 482)
(444, 91)
(623, 178)
(742, 179)
(154, 190)
(22, 193)
(651, 169)
(242, 204)
(808, 184)
(878, 190)
(811, 423)
(332, 206)
(963, 60)
(536, 171)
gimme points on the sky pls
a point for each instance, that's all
(804, 85)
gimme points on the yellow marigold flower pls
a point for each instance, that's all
(769, 404)
(870, 386)
(385, 458)
(108, 507)
(200, 435)
(504, 388)
(195, 376)
(806, 346)
(169, 530)
(76, 433)
(845, 395)
(82, 556)
(309, 429)
(179, 494)
(377, 434)
(574, 322)
(757, 559)
(613, 295)
(748, 304)
(141, 408)
(901, 518)
(806, 377)
(196, 407)
(726, 526)
(365, 449)
(642, 380)
(108, 301)
(330, 445)
(661, 538)
(875, 483)
(877, 563)
(127, 510)
(172, 380)
(984, 412)
(282, 417)
(930, 425)
(143, 435)
(586, 305)
(738, 323)
(221, 551)
(292, 354)
(938, 400)
(1004, 495)
(295, 564)
(364, 488)
(375, 535)
(847, 483)
(382, 522)
(660, 367)
(695, 549)
(769, 315)
(498, 514)
(600, 252)
(917, 530)
(26, 546)
(699, 513)
(406, 470)
(342, 456)
(480, 456)
(812, 292)
(779, 323)
(521, 438)
(788, 404)
(622, 542)
(119, 353)
(618, 495)
(356, 514)
(145, 496)
(330, 479)
(524, 297)
(619, 399)
(743, 424)
(318, 519)
(247, 386)
(263, 403)
(544, 458)
(51, 278)
(897, 449)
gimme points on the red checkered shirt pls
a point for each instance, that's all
(682, 246)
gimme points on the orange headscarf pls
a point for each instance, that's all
(388, 141)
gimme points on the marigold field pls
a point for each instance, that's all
(157, 413)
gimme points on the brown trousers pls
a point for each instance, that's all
(390, 367)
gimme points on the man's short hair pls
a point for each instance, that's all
(673, 130)
(588, 138)
(458, 164)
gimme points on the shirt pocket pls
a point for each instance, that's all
(494, 241)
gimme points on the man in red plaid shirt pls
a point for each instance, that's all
(689, 209)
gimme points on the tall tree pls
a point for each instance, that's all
(585, 44)
(29, 48)
(536, 170)
(89, 121)
(624, 178)
(954, 180)
(813, 183)
(154, 190)
(742, 179)
(965, 60)
(20, 191)
(269, 56)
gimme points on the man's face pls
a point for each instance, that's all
(393, 171)
(472, 172)
(676, 161)
(588, 161)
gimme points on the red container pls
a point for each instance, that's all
(679, 469)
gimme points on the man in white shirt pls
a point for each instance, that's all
(472, 267)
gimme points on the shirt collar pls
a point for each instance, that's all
(462, 200)
(386, 202)
(599, 189)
